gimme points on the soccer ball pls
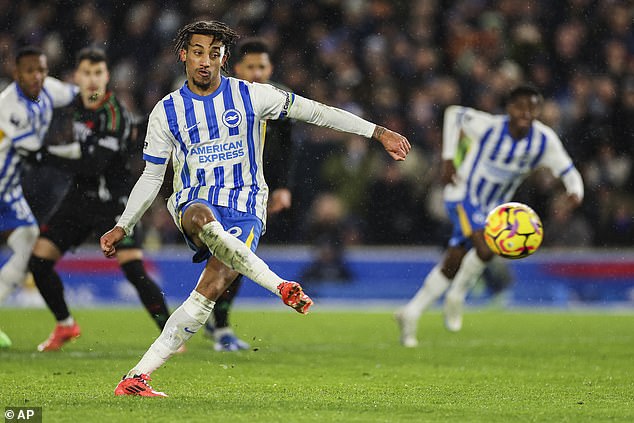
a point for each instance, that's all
(513, 230)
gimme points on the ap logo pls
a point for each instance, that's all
(231, 118)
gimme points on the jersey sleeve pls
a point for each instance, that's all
(61, 93)
(158, 145)
(555, 157)
(9, 125)
(457, 119)
(16, 128)
(269, 102)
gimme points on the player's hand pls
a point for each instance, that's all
(573, 201)
(448, 172)
(279, 200)
(395, 144)
(110, 239)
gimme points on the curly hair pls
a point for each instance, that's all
(220, 31)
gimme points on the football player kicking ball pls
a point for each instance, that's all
(504, 150)
(212, 129)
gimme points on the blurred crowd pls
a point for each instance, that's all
(398, 63)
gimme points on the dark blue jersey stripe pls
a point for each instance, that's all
(542, 148)
(227, 97)
(25, 135)
(566, 170)
(498, 146)
(238, 184)
(529, 143)
(172, 121)
(153, 159)
(219, 183)
(491, 196)
(191, 124)
(212, 122)
(8, 160)
(481, 145)
(253, 166)
(13, 181)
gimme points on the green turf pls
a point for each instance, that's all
(334, 367)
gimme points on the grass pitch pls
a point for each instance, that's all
(333, 367)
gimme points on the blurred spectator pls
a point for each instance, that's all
(327, 232)
(563, 227)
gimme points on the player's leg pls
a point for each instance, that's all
(42, 265)
(13, 273)
(435, 284)
(131, 262)
(470, 270)
(66, 228)
(200, 225)
(184, 322)
(218, 328)
(16, 220)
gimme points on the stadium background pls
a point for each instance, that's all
(398, 63)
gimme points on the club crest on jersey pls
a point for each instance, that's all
(231, 118)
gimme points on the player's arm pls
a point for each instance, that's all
(557, 160)
(61, 93)
(95, 153)
(274, 103)
(306, 110)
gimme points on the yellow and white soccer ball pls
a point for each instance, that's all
(513, 230)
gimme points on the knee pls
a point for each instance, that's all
(23, 238)
(482, 250)
(485, 254)
(31, 233)
(195, 217)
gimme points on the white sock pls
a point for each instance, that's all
(220, 332)
(235, 254)
(69, 321)
(182, 325)
(470, 270)
(13, 273)
(433, 287)
(211, 321)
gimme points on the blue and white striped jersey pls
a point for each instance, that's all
(216, 143)
(23, 125)
(496, 164)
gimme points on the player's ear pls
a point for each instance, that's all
(182, 55)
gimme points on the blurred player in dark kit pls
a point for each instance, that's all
(101, 181)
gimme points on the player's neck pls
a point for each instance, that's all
(518, 133)
(203, 91)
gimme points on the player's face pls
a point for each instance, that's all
(254, 67)
(92, 79)
(522, 111)
(30, 72)
(203, 59)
